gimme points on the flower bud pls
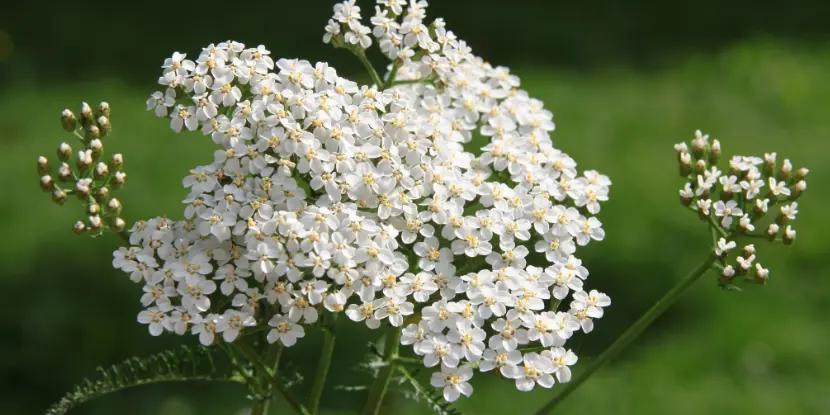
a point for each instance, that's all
(744, 264)
(769, 163)
(749, 250)
(79, 228)
(92, 132)
(761, 208)
(801, 174)
(96, 146)
(82, 188)
(101, 170)
(789, 235)
(687, 195)
(104, 125)
(118, 225)
(103, 110)
(59, 196)
(87, 118)
(761, 274)
(772, 231)
(64, 172)
(84, 160)
(727, 275)
(118, 180)
(93, 209)
(64, 152)
(699, 148)
(681, 148)
(714, 152)
(95, 223)
(117, 161)
(685, 160)
(798, 189)
(700, 166)
(68, 120)
(42, 165)
(102, 194)
(786, 170)
(46, 183)
(114, 206)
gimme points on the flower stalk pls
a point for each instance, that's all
(631, 334)
(324, 363)
(379, 387)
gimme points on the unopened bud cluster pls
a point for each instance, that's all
(753, 197)
(86, 174)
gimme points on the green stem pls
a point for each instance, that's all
(271, 361)
(323, 365)
(390, 80)
(260, 407)
(368, 65)
(632, 333)
(378, 391)
(253, 357)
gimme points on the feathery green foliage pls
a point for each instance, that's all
(176, 365)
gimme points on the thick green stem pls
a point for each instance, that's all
(378, 391)
(323, 365)
(269, 377)
(632, 333)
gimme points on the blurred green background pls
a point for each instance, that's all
(626, 80)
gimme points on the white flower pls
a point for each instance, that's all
(535, 370)
(454, 381)
(724, 246)
(156, 320)
(284, 331)
(727, 211)
(232, 322)
(778, 188)
(561, 359)
(206, 329)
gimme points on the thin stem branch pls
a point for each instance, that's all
(271, 361)
(378, 391)
(323, 365)
(632, 333)
(390, 79)
(361, 55)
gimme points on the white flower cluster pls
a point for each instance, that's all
(419, 205)
(738, 201)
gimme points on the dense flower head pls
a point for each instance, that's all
(435, 202)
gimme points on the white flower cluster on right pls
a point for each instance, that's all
(737, 202)
(420, 204)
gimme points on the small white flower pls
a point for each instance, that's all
(454, 381)
(727, 211)
(284, 331)
(724, 246)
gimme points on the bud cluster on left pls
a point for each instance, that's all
(87, 174)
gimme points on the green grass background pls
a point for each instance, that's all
(762, 351)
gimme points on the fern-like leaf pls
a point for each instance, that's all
(175, 365)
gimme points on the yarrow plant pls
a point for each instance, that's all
(431, 204)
